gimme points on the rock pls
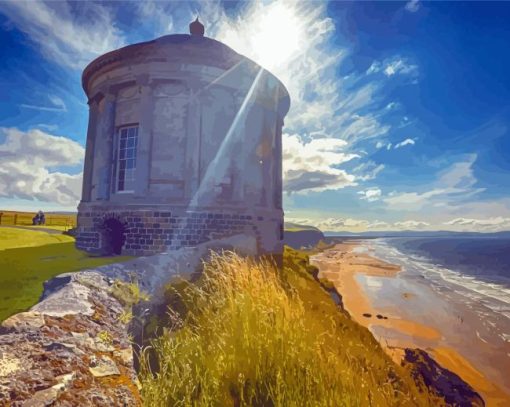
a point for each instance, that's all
(379, 316)
(42, 398)
(125, 355)
(441, 381)
(9, 364)
(104, 367)
(71, 299)
(63, 381)
(367, 315)
(24, 321)
(47, 354)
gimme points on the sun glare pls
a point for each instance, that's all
(277, 36)
(270, 34)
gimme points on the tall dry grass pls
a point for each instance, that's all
(253, 336)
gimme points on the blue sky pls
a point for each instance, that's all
(400, 110)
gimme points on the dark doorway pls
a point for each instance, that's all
(114, 232)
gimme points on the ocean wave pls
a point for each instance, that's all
(491, 294)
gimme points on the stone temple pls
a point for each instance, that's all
(183, 147)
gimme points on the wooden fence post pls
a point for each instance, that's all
(15, 218)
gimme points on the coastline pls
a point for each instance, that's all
(394, 325)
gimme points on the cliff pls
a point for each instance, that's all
(298, 236)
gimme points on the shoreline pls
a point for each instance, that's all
(346, 267)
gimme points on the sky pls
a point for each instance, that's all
(399, 119)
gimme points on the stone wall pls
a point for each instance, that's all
(150, 232)
(71, 349)
(74, 348)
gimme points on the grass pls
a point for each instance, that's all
(61, 228)
(31, 257)
(11, 238)
(248, 335)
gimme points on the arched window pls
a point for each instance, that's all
(126, 158)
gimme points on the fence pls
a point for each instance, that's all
(25, 219)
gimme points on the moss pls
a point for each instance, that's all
(128, 294)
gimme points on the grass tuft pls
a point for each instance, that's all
(249, 335)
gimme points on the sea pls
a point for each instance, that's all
(458, 285)
(476, 267)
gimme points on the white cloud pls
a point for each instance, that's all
(453, 186)
(58, 105)
(413, 6)
(493, 224)
(339, 224)
(311, 166)
(393, 66)
(49, 127)
(406, 142)
(378, 225)
(367, 171)
(411, 224)
(27, 163)
(370, 195)
(60, 35)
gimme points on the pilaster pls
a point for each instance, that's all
(88, 164)
(145, 134)
(103, 148)
(193, 144)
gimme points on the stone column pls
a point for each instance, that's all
(193, 141)
(241, 156)
(103, 149)
(88, 164)
(277, 157)
(145, 131)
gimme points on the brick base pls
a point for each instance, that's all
(150, 232)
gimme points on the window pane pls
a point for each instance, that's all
(126, 162)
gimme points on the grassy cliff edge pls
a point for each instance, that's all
(245, 334)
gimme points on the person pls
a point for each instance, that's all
(42, 218)
(39, 218)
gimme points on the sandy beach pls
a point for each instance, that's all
(407, 314)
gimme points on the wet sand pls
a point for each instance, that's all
(344, 265)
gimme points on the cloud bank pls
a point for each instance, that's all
(28, 162)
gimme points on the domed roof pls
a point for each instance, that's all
(174, 48)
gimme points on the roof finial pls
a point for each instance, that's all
(197, 28)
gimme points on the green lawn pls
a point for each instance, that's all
(28, 258)
(12, 238)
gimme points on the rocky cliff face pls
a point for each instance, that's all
(444, 383)
(302, 238)
(71, 349)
